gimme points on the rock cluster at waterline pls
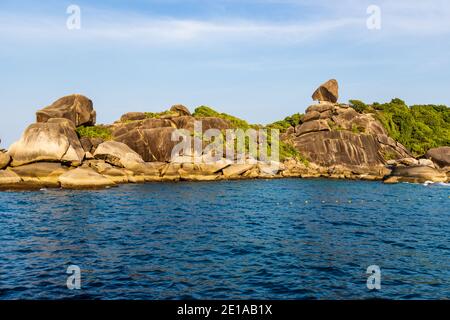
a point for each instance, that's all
(334, 140)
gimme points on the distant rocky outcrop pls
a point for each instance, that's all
(64, 148)
(76, 108)
(336, 135)
(328, 92)
(151, 138)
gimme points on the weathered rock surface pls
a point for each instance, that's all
(333, 134)
(151, 123)
(151, 144)
(440, 156)
(42, 174)
(416, 174)
(181, 110)
(5, 159)
(336, 141)
(8, 178)
(118, 154)
(328, 91)
(151, 138)
(76, 108)
(236, 169)
(132, 116)
(55, 140)
(84, 178)
(313, 126)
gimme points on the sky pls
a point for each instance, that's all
(257, 59)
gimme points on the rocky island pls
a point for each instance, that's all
(66, 149)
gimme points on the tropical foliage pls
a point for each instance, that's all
(419, 127)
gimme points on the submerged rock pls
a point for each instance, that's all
(76, 108)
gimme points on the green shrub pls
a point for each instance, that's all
(291, 121)
(419, 127)
(359, 106)
(204, 111)
(157, 115)
(95, 132)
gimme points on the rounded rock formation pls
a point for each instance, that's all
(76, 108)
(328, 91)
(55, 140)
(440, 156)
(181, 110)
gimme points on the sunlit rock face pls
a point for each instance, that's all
(335, 134)
(76, 108)
(328, 91)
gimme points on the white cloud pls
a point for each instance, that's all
(345, 18)
(149, 30)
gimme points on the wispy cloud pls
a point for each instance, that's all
(157, 30)
(344, 18)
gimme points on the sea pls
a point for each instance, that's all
(253, 239)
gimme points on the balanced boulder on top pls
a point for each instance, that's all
(76, 108)
(181, 110)
(328, 91)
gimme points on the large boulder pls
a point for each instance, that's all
(416, 174)
(328, 91)
(151, 144)
(122, 128)
(181, 110)
(336, 135)
(152, 138)
(133, 116)
(440, 156)
(118, 154)
(84, 178)
(5, 159)
(313, 126)
(77, 108)
(339, 147)
(55, 140)
(160, 144)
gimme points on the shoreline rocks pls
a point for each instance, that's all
(336, 141)
(416, 174)
(55, 140)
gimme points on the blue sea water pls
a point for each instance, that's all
(261, 239)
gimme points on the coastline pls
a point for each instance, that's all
(65, 148)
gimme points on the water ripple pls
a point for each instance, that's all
(277, 239)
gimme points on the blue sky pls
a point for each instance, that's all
(257, 59)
